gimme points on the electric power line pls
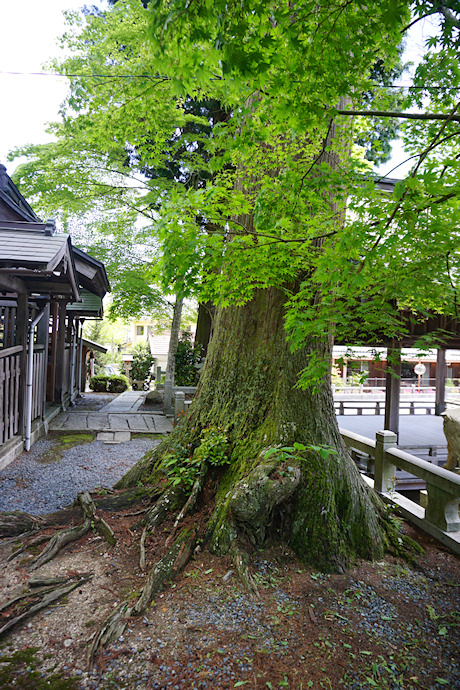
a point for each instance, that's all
(164, 77)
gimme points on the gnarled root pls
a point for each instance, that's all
(255, 497)
(170, 500)
(241, 562)
(192, 499)
(110, 630)
(167, 567)
(156, 515)
(74, 533)
(165, 570)
(46, 591)
(16, 523)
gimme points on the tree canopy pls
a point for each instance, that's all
(193, 115)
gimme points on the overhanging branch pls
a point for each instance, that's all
(406, 116)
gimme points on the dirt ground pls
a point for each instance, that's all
(379, 625)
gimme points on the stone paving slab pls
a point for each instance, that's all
(118, 422)
(113, 437)
(137, 421)
(140, 422)
(129, 401)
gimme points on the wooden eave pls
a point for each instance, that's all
(44, 263)
(11, 196)
(91, 273)
(447, 326)
(91, 345)
(89, 307)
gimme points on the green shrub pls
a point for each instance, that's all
(117, 383)
(142, 363)
(187, 356)
(114, 383)
(98, 383)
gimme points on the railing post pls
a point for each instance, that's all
(384, 472)
(442, 509)
(158, 375)
(168, 396)
(179, 405)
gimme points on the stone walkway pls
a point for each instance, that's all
(115, 421)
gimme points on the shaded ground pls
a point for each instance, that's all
(381, 625)
(59, 466)
(93, 402)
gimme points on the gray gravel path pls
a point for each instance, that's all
(38, 483)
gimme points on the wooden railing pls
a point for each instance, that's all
(441, 516)
(9, 392)
(38, 382)
(377, 407)
(8, 315)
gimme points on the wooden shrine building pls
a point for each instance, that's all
(48, 288)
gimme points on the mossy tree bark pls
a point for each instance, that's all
(248, 387)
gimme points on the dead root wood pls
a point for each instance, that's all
(168, 501)
(41, 594)
(192, 499)
(61, 539)
(163, 572)
(17, 523)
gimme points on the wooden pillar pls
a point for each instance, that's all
(83, 372)
(22, 323)
(52, 354)
(43, 327)
(441, 373)
(60, 352)
(392, 390)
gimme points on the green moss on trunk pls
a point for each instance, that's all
(248, 388)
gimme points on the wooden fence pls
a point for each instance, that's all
(8, 313)
(9, 392)
(441, 516)
(38, 382)
(377, 407)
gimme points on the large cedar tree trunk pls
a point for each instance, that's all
(248, 387)
(321, 507)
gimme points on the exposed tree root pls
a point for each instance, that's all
(167, 567)
(72, 534)
(241, 562)
(142, 549)
(192, 499)
(165, 570)
(111, 629)
(16, 523)
(41, 594)
(26, 545)
(170, 500)
(58, 542)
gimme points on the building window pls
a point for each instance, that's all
(139, 330)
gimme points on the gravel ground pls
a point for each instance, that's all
(52, 474)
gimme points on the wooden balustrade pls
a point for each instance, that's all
(441, 516)
(378, 407)
(9, 392)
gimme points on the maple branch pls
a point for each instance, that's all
(407, 116)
